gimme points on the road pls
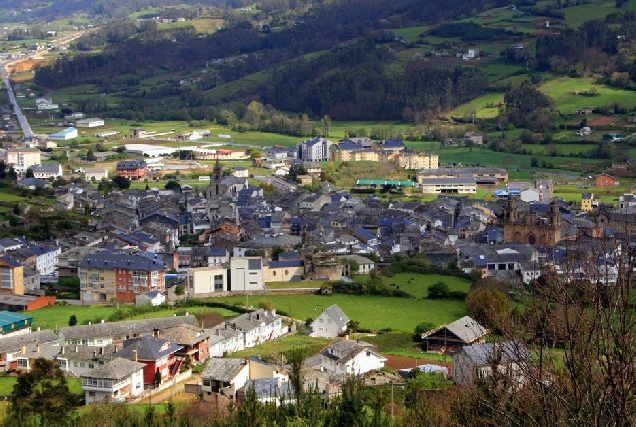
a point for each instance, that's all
(24, 124)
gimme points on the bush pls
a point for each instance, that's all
(421, 328)
(438, 290)
(179, 290)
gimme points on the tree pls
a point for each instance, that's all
(121, 182)
(29, 173)
(179, 290)
(12, 174)
(421, 328)
(90, 155)
(41, 394)
(295, 170)
(157, 378)
(173, 185)
(72, 321)
(296, 358)
(488, 306)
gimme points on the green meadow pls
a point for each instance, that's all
(562, 91)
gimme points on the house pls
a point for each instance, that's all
(132, 169)
(157, 354)
(95, 174)
(46, 171)
(604, 180)
(33, 183)
(117, 380)
(194, 341)
(364, 265)
(587, 202)
(585, 130)
(451, 337)
(481, 361)
(258, 326)
(100, 334)
(240, 172)
(284, 271)
(224, 376)
(11, 346)
(345, 357)
(153, 298)
(218, 257)
(137, 133)
(120, 275)
(331, 323)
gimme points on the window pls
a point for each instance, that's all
(23, 363)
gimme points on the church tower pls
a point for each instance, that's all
(214, 189)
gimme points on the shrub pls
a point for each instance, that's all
(438, 290)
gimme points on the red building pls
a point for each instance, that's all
(605, 180)
(132, 169)
(157, 354)
(195, 341)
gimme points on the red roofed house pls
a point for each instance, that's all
(605, 180)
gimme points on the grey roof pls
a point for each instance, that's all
(148, 348)
(85, 352)
(466, 329)
(51, 168)
(223, 369)
(336, 314)
(118, 259)
(115, 369)
(38, 351)
(16, 342)
(249, 321)
(128, 327)
(342, 350)
(184, 334)
(499, 353)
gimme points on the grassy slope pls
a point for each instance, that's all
(561, 90)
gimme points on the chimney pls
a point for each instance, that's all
(75, 349)
(156, 332)
(102, 321)
(346, 337)
(217, 331)
(37, 348)
(38, 329)
(23, 350)
(187, 314)
(101, 350)
(94, 354)
(89, 322)
(63, 347)
(273, 312)
(134, 355)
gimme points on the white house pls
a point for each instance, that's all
(365, 265)
(225, 340)
(218, 257)
(96, 174)
(224, 376)
(46, 171)
(45, 104)
(257, 326)
(117, 380)
(153, 298)
(483, 360)
(345, 357)
(47, 258)
(331, 323)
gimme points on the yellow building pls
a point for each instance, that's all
(22, 158)
(97, 284)
(11, 276)
(284, 271)
(586, 201)
(415, 160)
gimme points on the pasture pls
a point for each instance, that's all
(272, 350)
(562, 91)
(373, 312)
(484, 107)
(576, 15)
(410, 34)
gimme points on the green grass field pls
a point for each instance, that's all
(410, 34)
(484, 107)
(271, 350)
(372, 312)
(562, 89)
(576, 15)
(7, 383)
(57, 316)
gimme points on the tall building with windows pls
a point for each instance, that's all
(11, 276)
(120, 275)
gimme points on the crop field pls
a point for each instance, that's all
(373, 312)
(562, 89)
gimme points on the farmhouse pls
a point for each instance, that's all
(451, 337)
(345, 357)
(604, 180)
(46, 171)
(331, 323)
(483, 360)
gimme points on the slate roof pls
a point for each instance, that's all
(184, 334)
(48, 168)
(342, 350)
(16, 342)
(503, 352)
(131, 164)
(148, 348)
(223, 369)
(130, 327)
(118, 259)
(249, 321)
(286, 263)
(86, 352)
(336, 314)
(116, 369)
(466, 329)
